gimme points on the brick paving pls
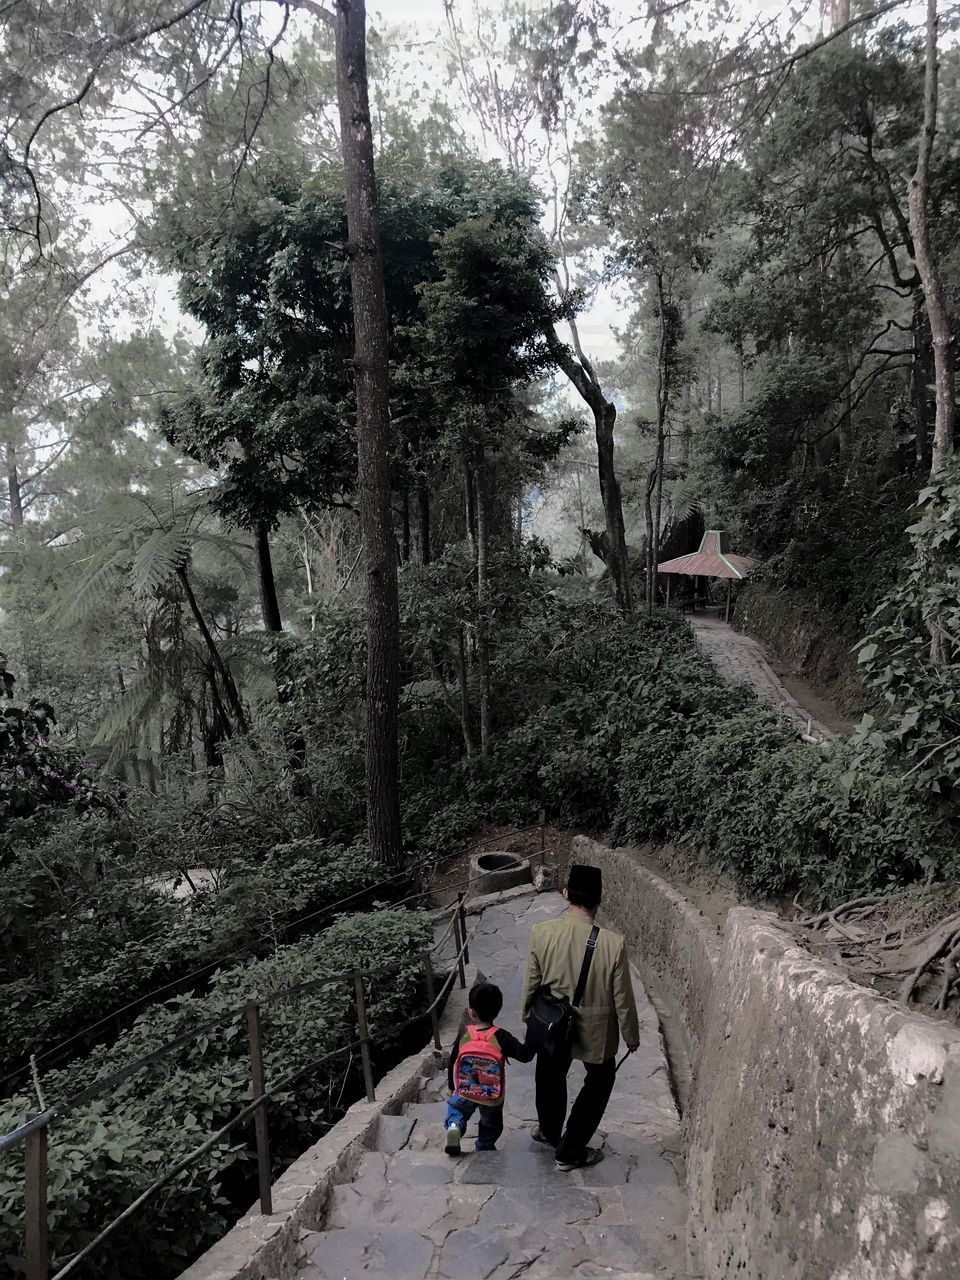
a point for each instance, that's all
(412, 1213)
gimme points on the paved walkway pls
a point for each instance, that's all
(413, 1213)
(741, 658)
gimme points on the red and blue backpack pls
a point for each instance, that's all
(478, 1074)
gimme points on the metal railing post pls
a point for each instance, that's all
(431, 997)
(35, 1204)
(364, 1036)
(458, 943)
(260, 1115)
(462, 915)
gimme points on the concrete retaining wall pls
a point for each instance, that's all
(822, 1125)
(824, 1130)
(813, 643)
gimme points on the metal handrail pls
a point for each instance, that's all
(116, 1013)
(106, 1083)
(23, 1131)
(243, 1115)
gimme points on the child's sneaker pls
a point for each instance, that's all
(452, 1145)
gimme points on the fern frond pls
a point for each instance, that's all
(122, 724)
(101, 582)
(685, 497)
(157, 560)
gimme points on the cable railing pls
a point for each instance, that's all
(34, 1133)
(329, 909)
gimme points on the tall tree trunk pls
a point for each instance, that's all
(371, 371)
(648, 521)
(653, 500)
(581, 373)
(303, 546)
(582, 553)
(269, 604)
(918, 379)
(483, 632)
(405, 524)
(423, 504)
(463, 678)
(662, 441)
(470, 508)
(13, 487)
(221, 668)
(134, 760)
(927, 264)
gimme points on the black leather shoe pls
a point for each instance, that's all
(592, 1156)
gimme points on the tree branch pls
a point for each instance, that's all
(787, 63)
(135, 36)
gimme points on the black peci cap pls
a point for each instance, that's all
(585, 882)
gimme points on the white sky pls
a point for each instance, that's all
(427, 23)
(427, 19)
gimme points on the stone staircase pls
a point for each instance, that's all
(413, 1213)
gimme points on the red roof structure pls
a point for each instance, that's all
(713, 560)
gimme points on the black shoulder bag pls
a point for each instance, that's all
(551, 1019)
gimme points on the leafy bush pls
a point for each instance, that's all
(707, 765)
(33, 773)
(104, 1154)
(910, 657)
(122, 941)
(646, 739)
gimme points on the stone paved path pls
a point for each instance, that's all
(741, 658)
(412, 1213)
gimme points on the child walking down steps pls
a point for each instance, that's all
(476, 1072)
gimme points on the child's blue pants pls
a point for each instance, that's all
(490, 1120)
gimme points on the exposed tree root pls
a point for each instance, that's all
(885, 951)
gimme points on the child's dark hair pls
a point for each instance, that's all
(486, 1000)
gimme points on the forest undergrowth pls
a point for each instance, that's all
(602, 725)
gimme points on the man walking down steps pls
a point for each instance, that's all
(410, 1213)
(559, 952)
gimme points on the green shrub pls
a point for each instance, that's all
(107, 1152)
(705, 764)
(125, 941)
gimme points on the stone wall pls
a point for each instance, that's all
(824, 1130)
(822, 1125)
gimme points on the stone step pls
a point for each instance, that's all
(373, 1252)
(412, 1213)
(393, 1133)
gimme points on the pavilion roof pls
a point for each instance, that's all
(713, 560)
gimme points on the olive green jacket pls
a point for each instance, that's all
(554, 960)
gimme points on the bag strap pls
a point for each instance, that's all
(585, 967)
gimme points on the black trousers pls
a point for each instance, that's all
(588, 1106)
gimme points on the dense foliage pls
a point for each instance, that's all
(647, 740)
(105, 1152)
(909, 658)
(185, 727)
